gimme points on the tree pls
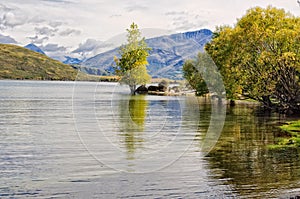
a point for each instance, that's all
(259, 57)
(131, 67)
(194, 78)
(203, 75)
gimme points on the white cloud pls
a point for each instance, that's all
(132, 8)
(55, 51)
(67, 22)
(115, 15)
(45, 31)
(69, 32)
(55, 24)
(91, 47)
(57, 1)
(10, 18)
(176, 13)
(53, 48)
(185, 21)
(38, 40)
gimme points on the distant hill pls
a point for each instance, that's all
(166, 58)
(34, 48)
(20, 63)
(71, 60)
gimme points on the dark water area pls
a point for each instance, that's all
(93, 140)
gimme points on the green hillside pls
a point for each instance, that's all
(20, 63)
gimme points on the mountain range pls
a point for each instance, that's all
(71, 60)
(166, 58)
(68, 60)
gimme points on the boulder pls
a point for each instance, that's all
(162, 88)
(141, 90)
(153, 88)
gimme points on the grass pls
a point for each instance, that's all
(95, 78)
(292, 127)
(292, 139)
(20, 63)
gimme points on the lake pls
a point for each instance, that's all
(93, 140)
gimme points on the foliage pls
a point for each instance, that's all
(163, 83)
(132, 64)
(20, 63)
(193, 76)
(134, 76)
(203, 76)
(260, 57)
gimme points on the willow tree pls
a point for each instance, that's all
(259, 57)
(131, 66)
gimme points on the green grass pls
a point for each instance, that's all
(292, 127)
(293, 136)
(20, 63)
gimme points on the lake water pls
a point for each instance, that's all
(93, 140)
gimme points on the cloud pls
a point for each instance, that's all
(11, 19)
(55, 24)
(69, 32)
(115, 16)
(184, 21)
(57, 1)
(55, 51)
(4, 8)
(136, 7)
(37, 40)
(13, 16)
(53, 48)
(176, 13)
(91, 46)
(45, 31)
(7, 39)
(184, 25)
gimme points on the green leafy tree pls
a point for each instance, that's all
(259, 57)
(203, 75)
(194, 78)
(131, 67)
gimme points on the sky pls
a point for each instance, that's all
(83, 28)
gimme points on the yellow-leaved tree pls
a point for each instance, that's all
(259, 57)
(131, 66)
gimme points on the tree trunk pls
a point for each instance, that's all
(267, 102)
(132, 89)
(232, 102)
(219, 100)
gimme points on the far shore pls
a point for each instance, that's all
(96, 78)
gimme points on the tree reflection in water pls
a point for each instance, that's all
(242, 157)
(133, 112)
